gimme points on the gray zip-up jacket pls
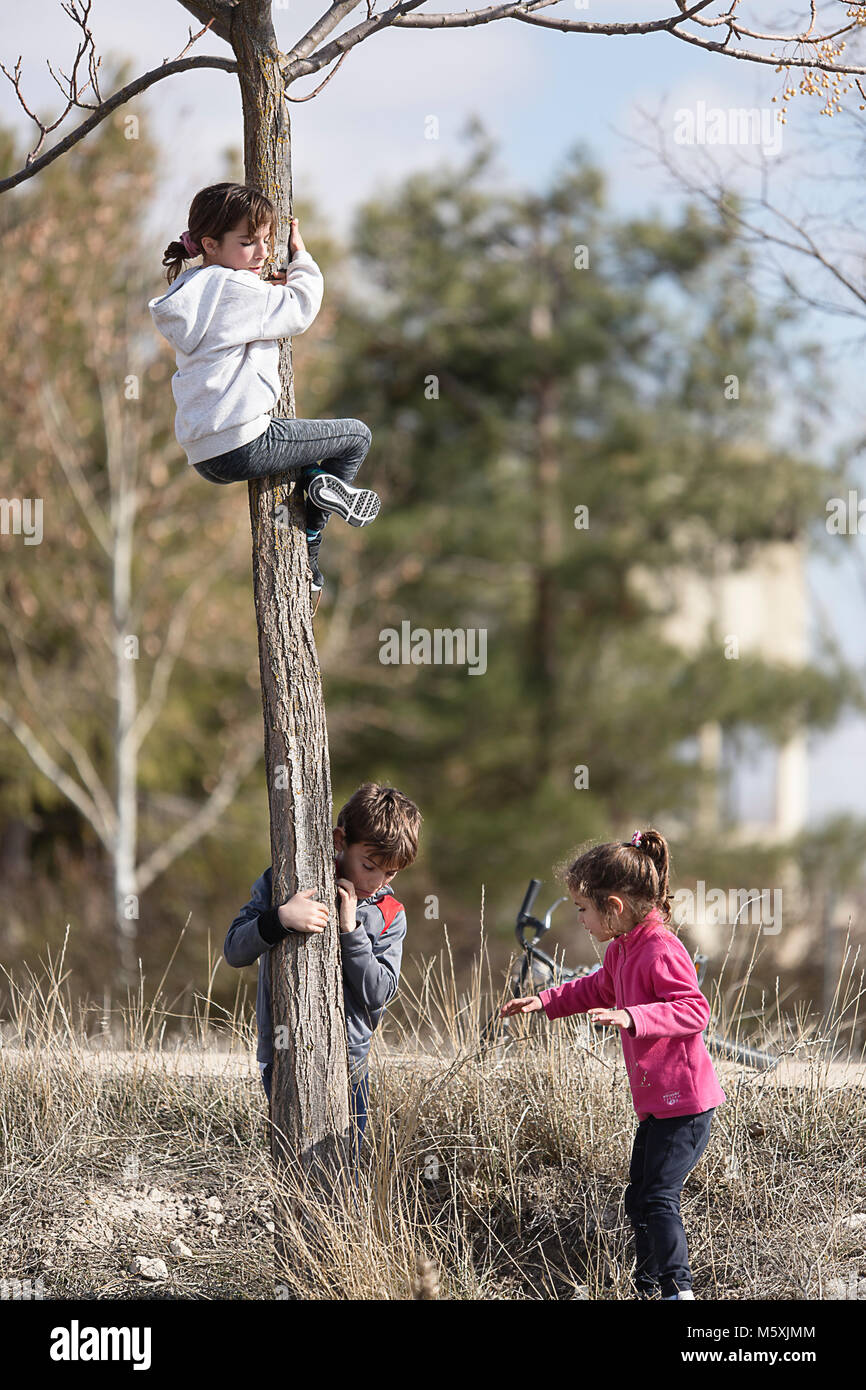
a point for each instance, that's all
(223, 325)
(371, 957)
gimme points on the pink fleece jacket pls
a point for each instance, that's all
(649, 972)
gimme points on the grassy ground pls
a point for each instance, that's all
(487, 1174)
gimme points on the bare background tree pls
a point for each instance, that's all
(133, 633)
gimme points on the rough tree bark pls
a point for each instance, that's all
(310, 1089)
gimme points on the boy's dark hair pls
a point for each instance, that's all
(215, 211)
(640, 874)
(384, 818)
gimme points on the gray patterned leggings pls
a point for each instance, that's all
(299, 448)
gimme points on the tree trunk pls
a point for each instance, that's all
(310, 1088)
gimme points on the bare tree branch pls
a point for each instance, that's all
(218, 14)
(68, 742)
(796, 237)
(807, 36)
(50, 769)
(816, 51)
(304, 58)
(172, 646)
(207, 815)
(302, 67)
(321, 29)
(35, 165)
(749, 55)
(315, 92)
(524, 10)
(71, 91)
(60, 429)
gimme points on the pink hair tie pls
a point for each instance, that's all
(636, 837)
(188, 244)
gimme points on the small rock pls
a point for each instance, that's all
(855, 1222)
(215, 1218)
(178, 1248)
(269, 1226)
(214, 1204)
(146, 1268)
(155, 1195)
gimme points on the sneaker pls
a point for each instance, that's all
(357, 505)
(317, 581)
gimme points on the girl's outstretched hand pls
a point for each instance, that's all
(616, 1018)
(528, 1004)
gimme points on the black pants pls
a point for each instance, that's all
(297, 448)
(665, 1152)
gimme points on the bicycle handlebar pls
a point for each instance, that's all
(528, 900)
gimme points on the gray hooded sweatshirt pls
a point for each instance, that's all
(224, 325)
(371, 957)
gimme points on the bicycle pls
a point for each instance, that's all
(536, 970)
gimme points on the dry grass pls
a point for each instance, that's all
(487, 1173)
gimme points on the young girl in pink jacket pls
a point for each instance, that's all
(647, 987)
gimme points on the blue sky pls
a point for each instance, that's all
(538, 92)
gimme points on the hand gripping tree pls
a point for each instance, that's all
(310, 1107)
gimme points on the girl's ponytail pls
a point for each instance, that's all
(656, 846)
(637, 870)
(174, 256)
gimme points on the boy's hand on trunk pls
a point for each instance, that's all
(300, 913)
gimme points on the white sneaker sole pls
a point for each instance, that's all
(356, 505)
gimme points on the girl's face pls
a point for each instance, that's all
(591, 918)
(238, 250)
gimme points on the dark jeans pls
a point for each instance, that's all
(360, 1095)
(296, 448)
(665, 1152)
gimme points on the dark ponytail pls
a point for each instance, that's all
(654, 844)
(174, 256)
(637, 872)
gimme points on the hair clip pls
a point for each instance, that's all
(635, 839)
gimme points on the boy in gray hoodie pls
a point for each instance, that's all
(376, 835)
